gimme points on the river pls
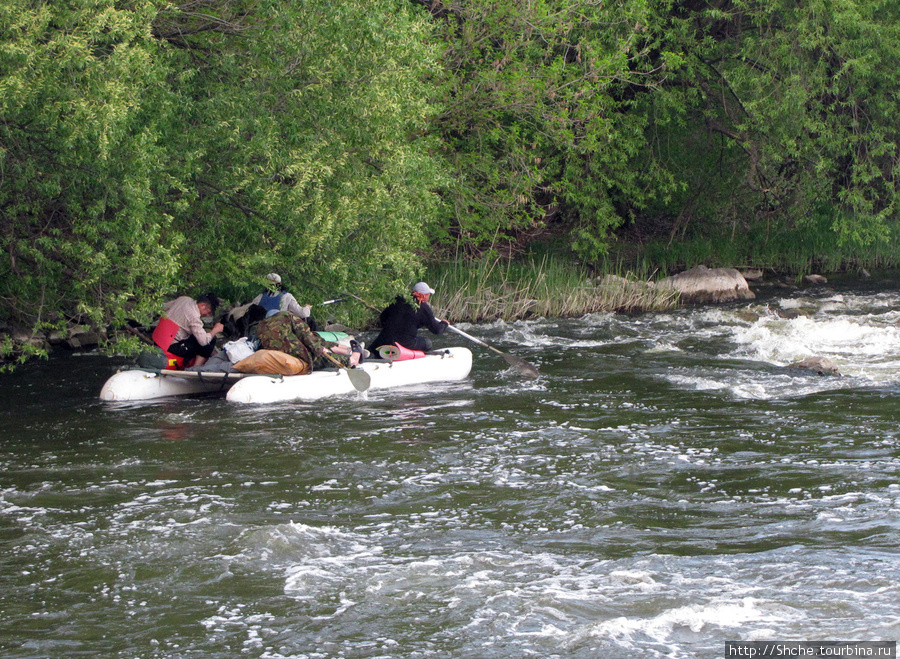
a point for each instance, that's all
(667, 485)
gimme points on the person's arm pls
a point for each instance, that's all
(312, 341)
(427, 319)
(196, 328)
(289, 303)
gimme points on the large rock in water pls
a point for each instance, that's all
(821, 365)
(702, 285)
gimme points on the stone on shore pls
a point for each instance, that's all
(702, 285)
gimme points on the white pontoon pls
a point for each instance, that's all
(143, 384)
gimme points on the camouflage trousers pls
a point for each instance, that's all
(289, 333)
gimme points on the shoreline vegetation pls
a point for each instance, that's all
(553, 283)
(490, 289)
(571, 151)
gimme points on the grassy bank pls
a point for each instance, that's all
(812, 247)
(550, 286)
(555, 285)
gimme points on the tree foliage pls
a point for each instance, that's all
(670, 116)
(149, 148)
(84, 107)
(537, 123)
(306, 150)
(794, 104)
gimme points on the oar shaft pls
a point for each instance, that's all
(516, 362)
(468, 336)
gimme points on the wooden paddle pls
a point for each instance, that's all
(525, 368)
(360, 380)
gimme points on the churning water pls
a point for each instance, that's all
(667, 485)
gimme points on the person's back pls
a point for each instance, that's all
(277, 298)
(192, 341)
(271, 302)
(398, 325)
(288, 333)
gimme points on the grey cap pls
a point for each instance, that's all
(274, 277)
(423, 288)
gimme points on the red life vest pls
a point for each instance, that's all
(164, 336)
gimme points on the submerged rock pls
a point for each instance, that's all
(815, 280)
(702, 285)
(821, 365)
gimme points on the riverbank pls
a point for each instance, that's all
(548, 287)
(553, 287)
(497, 289)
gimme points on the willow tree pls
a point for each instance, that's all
(83, 105)
(706, 116)
(304, 138)
(782, 117)
(538, 123)
(149, 148)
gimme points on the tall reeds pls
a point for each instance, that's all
(501, 289)
(813, 247)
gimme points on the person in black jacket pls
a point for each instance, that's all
(400, 321)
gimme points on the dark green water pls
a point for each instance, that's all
(667, 485)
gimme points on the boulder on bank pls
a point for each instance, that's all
(702, 285)
(752, 274)
(821, 365)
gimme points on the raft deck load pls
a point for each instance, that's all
(446, 365)
(443, 366)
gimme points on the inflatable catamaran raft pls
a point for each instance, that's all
(446, 365)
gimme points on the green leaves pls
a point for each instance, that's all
(312, 157)
(800, 95)
(539, 124)
(81, 104)
(149, 148)
(677, 117)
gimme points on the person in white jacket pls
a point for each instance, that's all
(277, 298)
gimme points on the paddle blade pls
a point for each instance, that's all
(525, 368)
(360, 380)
